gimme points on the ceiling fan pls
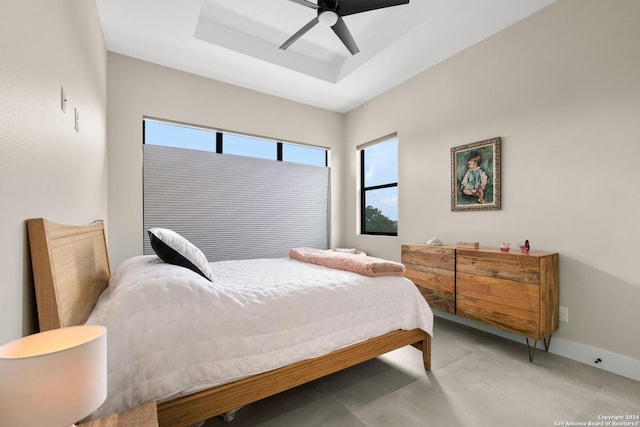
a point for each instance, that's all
(330, 13)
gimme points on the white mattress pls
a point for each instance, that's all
(171, 332)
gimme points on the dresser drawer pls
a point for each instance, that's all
(432, 269)
(442, 257)
(505, 304)
(437, 286)
(510, 266)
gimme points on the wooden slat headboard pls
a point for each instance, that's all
(70, 270)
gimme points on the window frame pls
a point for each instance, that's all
(364, 189)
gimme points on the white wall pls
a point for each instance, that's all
(562, 89)
(138, 88)
(47, 169)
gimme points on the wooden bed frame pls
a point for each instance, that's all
(71, 269)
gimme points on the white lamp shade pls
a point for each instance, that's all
(54, 378)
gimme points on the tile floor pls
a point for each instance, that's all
(477, 379)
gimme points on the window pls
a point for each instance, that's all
(240, 206)
(379, 187)
(247, 146)
(306, 155)
(168, 134)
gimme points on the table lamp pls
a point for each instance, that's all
(53, 378)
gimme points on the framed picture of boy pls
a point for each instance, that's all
(475, 176)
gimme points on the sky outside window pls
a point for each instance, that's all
(171, 135)
(193, 138)
(381, 162)
(306, 155)
(247, 146)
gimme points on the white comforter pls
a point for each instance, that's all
(171, 332)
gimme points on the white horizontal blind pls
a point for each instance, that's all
(235, 207)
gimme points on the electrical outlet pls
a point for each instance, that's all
(564, 314)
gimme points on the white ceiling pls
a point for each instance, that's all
(236, 41)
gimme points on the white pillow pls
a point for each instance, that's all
(172, 248)
(346, 250)
(350, 251)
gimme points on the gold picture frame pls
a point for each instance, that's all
(476, 176)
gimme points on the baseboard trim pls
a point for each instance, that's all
(592, 356)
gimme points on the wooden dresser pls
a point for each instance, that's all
(511, 291)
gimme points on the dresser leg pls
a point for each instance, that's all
(532, 350)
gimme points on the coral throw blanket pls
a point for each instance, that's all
(361, 264)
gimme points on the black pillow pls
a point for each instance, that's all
(172, 248)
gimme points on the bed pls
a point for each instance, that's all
(71, 274)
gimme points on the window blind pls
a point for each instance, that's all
(235, 207)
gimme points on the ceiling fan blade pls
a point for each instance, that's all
(306, 3)
(349, 7)
(341, 30)
(300, 33)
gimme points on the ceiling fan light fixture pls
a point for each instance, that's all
(328, 18)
